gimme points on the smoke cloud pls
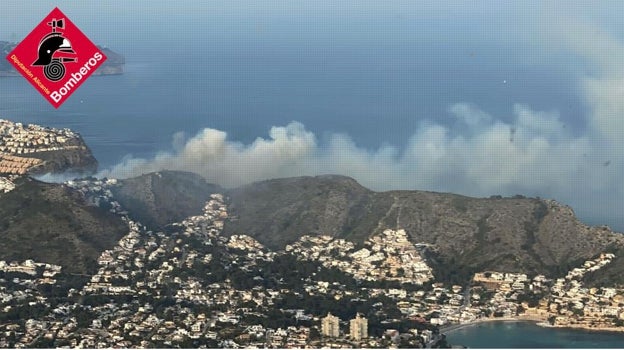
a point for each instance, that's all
(534, 154)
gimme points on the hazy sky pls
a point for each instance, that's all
(478, 21)
(470, 147)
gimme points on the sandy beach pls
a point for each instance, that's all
(454, 327)
(585, 328)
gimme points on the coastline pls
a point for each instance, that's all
(458, 326)
(536, 320)
(585, 328)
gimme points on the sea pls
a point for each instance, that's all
(523, 334)
(379, 93)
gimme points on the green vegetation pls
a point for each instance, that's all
(158, 199)
(51, 223)
(518, 234)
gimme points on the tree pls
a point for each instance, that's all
(314, 334)
(83, 317)
(400, 272)
(552, 319)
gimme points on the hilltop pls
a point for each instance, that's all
(159, 199)
(114, 63)
(465, 234)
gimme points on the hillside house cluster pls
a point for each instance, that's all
(30, 267)
(21, 285)
(563, 302)
(387, 256)
(192, 285)
(6, 183)
(17, 165)
(18, 141)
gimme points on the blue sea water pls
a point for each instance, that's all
(530, 335)
(378, 93)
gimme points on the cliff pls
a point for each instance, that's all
(33, 149)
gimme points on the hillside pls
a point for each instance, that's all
(466, 234)
(277, 212)
(463, 235)
(114, 63)
(192, 266)
(158, 199)
(51, 223)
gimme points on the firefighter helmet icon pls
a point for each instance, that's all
(54, 51)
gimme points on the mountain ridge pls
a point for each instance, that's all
(461, 235)
(520, 234)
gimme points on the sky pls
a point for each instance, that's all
(473, 146)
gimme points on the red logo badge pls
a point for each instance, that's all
(56, 57)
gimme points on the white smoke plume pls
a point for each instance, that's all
(532, 155)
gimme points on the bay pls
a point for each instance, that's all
(523, 334)
(378, 94)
